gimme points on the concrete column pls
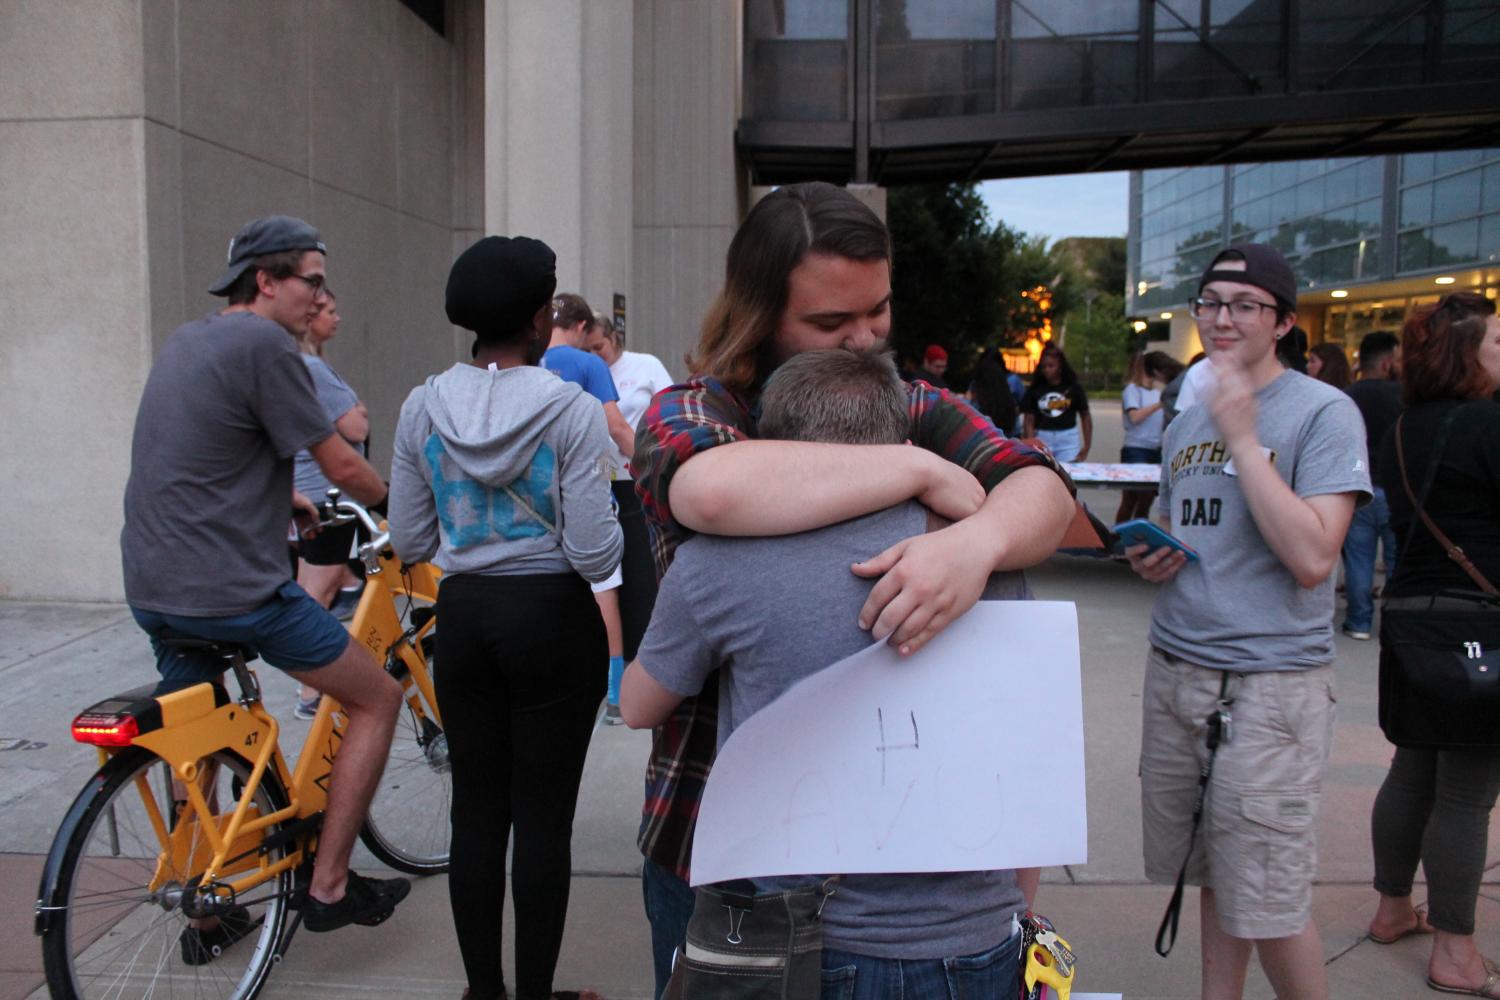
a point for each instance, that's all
(690, 192)
(73, 289)
(558, 135)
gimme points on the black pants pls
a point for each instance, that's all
(637, 566)
(518, 685)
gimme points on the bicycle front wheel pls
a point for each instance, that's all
(408, 825)
(106, 932)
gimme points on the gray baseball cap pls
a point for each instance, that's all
(272, 234)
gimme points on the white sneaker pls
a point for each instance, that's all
(612, 716)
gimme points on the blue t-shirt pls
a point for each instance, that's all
(588, 370)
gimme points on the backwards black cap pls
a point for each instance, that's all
(499, 283)
(1265, 268)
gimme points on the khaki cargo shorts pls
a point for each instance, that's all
(1257, 847)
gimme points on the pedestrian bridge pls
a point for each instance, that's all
(909, 91)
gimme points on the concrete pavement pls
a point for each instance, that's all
(55, 659)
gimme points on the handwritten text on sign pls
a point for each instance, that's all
(965, 756)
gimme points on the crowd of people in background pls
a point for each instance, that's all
(558, 479)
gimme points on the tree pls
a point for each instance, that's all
(946, 277)
(1098, 337)
(958, 280)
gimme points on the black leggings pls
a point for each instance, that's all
(518, 685)
(1435, 806)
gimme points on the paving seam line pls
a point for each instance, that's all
(62, 645)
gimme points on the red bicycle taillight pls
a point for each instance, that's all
(105, 730)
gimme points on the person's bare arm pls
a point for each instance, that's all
(1136, 414)
(644, 703)
(782, 487)
(1087, 421)
(1306, 534)
(619, 428)
(354, 426)
(929, 580)
(1028, 426)
(348, 470)
(1028, 880)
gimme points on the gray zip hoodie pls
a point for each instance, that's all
(503, 472)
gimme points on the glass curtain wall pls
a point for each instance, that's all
(1330, 217)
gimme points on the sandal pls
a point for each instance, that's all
(1490, 988)
(1421, 927)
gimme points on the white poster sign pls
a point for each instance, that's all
(967, 755)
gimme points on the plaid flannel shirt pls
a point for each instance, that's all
(702, 413)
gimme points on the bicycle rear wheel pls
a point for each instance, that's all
(408, 824)
(105, 933)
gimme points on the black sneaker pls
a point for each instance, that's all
(367, 902)
(202, 945)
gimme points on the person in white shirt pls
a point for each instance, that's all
(1141, 412)
(632, 589)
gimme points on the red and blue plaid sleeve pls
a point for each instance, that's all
(947, 425)
(681, 421)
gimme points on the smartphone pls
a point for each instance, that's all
(1144, 532)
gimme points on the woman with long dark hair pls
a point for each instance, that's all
(1328, 363)
(1435, 805)
(990, 392)
(1056, 408)
(498, 478)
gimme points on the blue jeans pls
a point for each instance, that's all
(1370, 527)
(669, 906)
(989, 974)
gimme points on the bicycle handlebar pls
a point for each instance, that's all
(337, 509)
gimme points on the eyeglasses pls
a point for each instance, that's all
(317, 282)
(1240, 310)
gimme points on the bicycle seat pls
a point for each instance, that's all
(219, 648)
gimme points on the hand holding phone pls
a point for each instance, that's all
(1143, 532)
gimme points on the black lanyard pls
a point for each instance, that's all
(1218, 733)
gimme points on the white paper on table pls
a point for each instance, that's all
(965, 756)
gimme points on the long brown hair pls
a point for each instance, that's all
(1335, 370)
(1440, 349)
(780, 230)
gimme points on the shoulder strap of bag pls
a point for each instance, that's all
(1454, 552)
(521, 502)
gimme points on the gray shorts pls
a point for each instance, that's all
(1257, 848)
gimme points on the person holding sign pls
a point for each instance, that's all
(1261, 481)
(810, 268)
(887, 935)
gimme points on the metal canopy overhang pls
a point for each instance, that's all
(1129, 137)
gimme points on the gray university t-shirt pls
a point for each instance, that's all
(1238, 607)
(226, 406)
(771, 611)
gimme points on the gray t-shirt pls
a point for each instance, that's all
(337, 399)
(771, 611)
(1238, 607)
(226, 406)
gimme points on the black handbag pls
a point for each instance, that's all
(1440, 666)
(744, 945)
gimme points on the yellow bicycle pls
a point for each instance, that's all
(194, 816)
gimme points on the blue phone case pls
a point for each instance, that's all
(1143, 532)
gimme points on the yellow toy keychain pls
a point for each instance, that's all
(1050, 962)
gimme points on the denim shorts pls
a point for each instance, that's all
(291, 631)
(1131, 454)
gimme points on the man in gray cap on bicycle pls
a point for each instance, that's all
(227, 405)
